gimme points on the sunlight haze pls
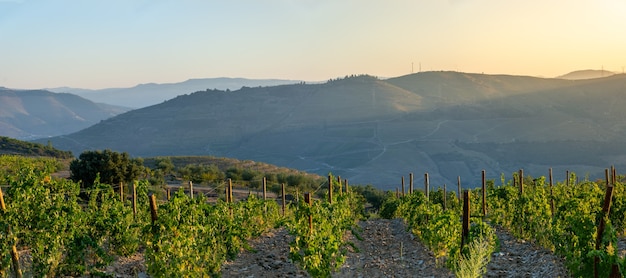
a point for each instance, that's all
(119, 43)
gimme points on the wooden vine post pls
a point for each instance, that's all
(307, 199)
(15, 257)
(567, 178)
(402, 186)
(330, 189)
(121, 192)
(168, 192)
(340, 185)
(606, 207)
(284, 199)
(410, 183)
(466, 218)
(190, 189)
(484, 188)
(426, 186)
(135, 199)
(230, 190)
(347, 188)
(264, 188)
(458, 184)
(614, 174)
(551, 192)
(445, 205)
(521, 181)
(153, 208)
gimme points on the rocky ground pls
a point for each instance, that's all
(518, 258)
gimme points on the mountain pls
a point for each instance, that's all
(586, 74)
(28, 114)
(149, 94)
(375, 131)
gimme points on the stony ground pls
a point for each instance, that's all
(518, 258)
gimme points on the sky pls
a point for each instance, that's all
(122, 43)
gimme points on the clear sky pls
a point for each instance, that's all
(121, 43)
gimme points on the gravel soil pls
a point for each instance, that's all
(518, 258)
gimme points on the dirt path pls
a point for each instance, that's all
(518, 258)
(389, 250)
(379, 255)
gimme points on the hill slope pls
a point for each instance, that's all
(16, 147)
(375, 131)
(150, 94)
(28, 114)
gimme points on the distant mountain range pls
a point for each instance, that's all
(375, 131)
(30, 114)
(149, 94)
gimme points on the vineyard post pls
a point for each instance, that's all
(445, 205)
(410, 183)
(614, 175)
(426, 186)
(567, 178)
(347, 188)
(190, 189)
(606, 176)
(230, 190)
(521, 182)
(330, 189)
(484, 188)
(264, 188)
(606, 207)
(122, 192)
(458, 184)
(307, 199)
(135, 199)
(153, 208)
(168, 192)
(340, 185)
(466, 218)
(226, 191)
(551, 193)
(284, 200)
(397, 193)
(15, 257)
(402, 186)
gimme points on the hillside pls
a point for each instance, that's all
(9, 146)
(586, 74)
(375, 131)
(28, 114)
(150, 94)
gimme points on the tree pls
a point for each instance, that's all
(112, 167)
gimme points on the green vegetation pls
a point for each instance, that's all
(321, 250)
(108, 166)
(192, 238)
(570, 231)
(213, 171)
(17, 147)
(440, 230)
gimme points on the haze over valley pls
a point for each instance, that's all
(374, 131)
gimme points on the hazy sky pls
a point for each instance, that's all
(121, 43)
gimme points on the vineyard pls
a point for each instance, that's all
(53, 227)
